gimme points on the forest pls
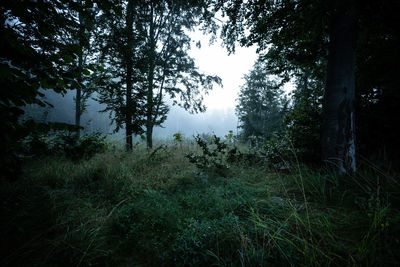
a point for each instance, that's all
(308, 178)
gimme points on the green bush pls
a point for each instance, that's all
(212, 160)
(65, 143)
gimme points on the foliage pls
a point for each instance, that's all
(213, 156)
(177, 137)
(135, 211)
(64, 143)
(304, 119)
(229, 137)
(293, 40)
(156, 47)
(159, 153)
(277, 151)
(37, 54)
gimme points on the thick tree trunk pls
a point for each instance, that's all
(129, 66)
(338, 132)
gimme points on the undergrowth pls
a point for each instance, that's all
(155, 208)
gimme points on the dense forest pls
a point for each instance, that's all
(307, 178)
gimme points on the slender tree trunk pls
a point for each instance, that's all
(78, 110)
(150, 78)
(78, 96)
(338, 132)
(129, 66)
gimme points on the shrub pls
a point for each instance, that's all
(65, 143)
(213, 157)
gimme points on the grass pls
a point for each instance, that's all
(154, 208)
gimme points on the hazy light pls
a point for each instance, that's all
(214, 59)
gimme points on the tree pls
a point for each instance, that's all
(85, 16)
(260, 107)
(122, 48)
(31, 60)
(151, 46)
(295, 36)
(304, 118)
(79, 34)
(338, 129)
(168, 67)
(36, 55)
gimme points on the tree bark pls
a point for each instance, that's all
(129, 66)
(338, 132)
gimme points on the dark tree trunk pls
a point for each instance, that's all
(338, 132)
(129, 66)
(149, 136)
(150, 78)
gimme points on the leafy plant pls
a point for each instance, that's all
(65, 143)
(177, 137)
(213, 155)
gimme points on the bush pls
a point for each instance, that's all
(65, 143)
(213, 158)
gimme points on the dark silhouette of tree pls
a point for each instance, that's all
(122, 49)
(150, 45)
(33, 58)
(296, 35)
(37, 54)
(319, 38)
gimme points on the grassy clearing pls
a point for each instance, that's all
(155, 208)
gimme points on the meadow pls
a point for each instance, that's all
(162, 207)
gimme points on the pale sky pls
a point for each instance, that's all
(214, 59)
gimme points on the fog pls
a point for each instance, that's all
(214, 120)
(218, 119)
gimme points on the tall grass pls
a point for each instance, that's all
(152, 207)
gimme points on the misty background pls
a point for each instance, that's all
(218, 119)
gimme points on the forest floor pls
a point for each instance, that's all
(157, 209)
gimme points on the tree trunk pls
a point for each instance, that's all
(150, 79)
(78, 97)
(129, 66)
(338, 132)
(78, 111)
(149, 136)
